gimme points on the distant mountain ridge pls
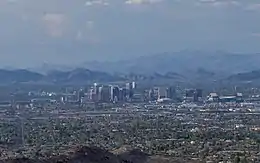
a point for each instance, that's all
(183, 66)
(217, 64)
(84, 76)
(20, 75)
(246, 76)
(73, 76)
(79, 76)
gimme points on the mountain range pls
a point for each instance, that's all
(77, 76)
(184, 66)
(183, 62)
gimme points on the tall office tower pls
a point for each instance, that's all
(197, 95)
(105, 94)
(128, 87)
(116, 93)
(95, 87)
(199, 92)
(91, 94)
(124, 94)
(133, 85)
(193, 95)
(162, 92)
(156, 92)
(95, 92)
(151, 95)
(99, 93)
(129, 91)
(111, 93)
(171, 92)
(189, 93)
(81, 94)
(121, 95)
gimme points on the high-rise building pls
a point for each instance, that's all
(133, 85)
(94, 93)
(151, 95)
(171, 92)
(99, 93)
(189, 93)
(156, 92)
(193, 95)
(122, 95)
(197, 95)
(105, 94)
(162, 92)
(111, 93)
(129, 91)
(95, 88)
(115, 94)
(81, 94)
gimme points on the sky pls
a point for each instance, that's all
(34, 32)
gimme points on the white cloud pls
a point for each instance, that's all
(255, 34)
(79, 35)
(90, 25)
(54, 24)
(137, 2)
(96, 2)
(219, 3)
(253, 7)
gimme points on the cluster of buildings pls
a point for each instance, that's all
(161, 94)
(125, 92)
(108, 93)
(193, 95)
(164, 94)
(214, 97)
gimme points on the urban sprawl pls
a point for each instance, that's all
(162, 120)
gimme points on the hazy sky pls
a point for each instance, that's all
(73, 31)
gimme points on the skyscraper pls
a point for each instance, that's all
(105, 94)
(115, 96)
(81, 94)
(151, 95)
(171, 92)
(99, 93)
(133, 85)
(94, 93)
(111, 93)
(129, 91)
(193, 95)
(162, 92)
(197, 95)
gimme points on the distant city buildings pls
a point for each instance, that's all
(129, 92)
(193, 95)
(214, 97)
(110, 93)
(162, 92)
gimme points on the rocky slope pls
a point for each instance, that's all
(97, 155)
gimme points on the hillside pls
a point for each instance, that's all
(74, 76)
(97, 155)
(80, 76)
(245, 77)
